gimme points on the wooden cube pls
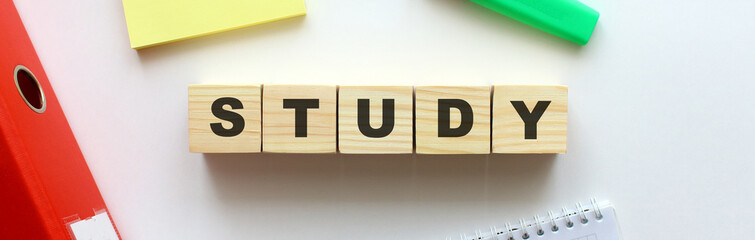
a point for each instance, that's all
(529, 119)
(225, 118)
(299, 118)
(452, 120)
(375, 119)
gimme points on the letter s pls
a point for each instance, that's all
(236, 119)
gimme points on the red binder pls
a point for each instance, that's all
(46, 189)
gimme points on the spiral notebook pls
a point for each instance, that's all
(594, 222)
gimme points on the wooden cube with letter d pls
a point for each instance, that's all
(452, 119)
(529, 119)
(225, 118)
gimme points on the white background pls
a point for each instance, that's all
(660, 119)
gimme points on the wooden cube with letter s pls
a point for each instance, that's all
(225, 118)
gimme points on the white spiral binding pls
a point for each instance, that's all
(553, 224)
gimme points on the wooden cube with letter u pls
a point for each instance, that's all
(529, 119)
(299, 118)
(375, 119)
(225, 118)
(452, 119)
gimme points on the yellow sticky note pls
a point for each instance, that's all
(154, 22)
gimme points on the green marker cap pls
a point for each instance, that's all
(567, 19)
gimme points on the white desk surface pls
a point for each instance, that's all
(660, 122)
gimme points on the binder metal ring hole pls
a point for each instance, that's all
(30, 89)
(540, 232)
(569, 224)
(525, 236)
(554, 228)
(584, 220)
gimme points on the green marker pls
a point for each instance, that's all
(567, 19)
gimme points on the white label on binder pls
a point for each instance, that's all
(97, 227)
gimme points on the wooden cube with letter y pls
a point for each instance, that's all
(225, 118)
(529, 119)
(452, 119)
(375, 119)
(299, 118)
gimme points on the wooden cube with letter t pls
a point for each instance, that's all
(375, 119)
(299, 118)
(225, 118)
(452, 120)
(529, 119)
